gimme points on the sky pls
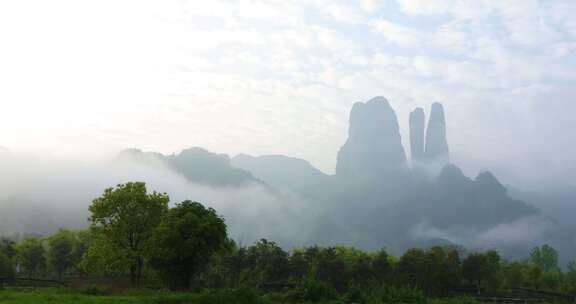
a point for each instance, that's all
(83, 79)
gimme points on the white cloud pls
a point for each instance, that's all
(527, 231)
(398, 34)
(343, 13)
(81, 77)
(371, 6)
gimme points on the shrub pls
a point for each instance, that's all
(6, 267)
(220, 296)
(454, 301)
(400, 295)
(354, 295)
(312, 291)
(95, 290)
(237, 296)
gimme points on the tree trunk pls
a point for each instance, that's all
(139, 265)
(478, 287)
(133, 275)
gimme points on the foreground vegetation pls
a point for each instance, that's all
(226, 296)
(136, 242)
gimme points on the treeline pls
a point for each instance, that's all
(134, 233)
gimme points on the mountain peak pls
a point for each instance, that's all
(374, 146)
(436, 149)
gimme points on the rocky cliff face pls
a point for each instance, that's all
(417, 125)
(374, 149)
(436, 149)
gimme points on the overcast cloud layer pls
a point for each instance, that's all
(84, 78)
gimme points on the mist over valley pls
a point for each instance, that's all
(380, 195)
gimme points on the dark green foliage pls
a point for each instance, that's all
(332, 269)
(355, 295)
(436, 271)
(31, 256)
(312, 291)
(82, 244)
(298, 266)
(95, 290)
(570, 276)
(7, 258)
(479, 268)
(361, 271)
(184, 241)
(400, 295)
(381, 266)
(6, 267)
(512, 274)
(226, 296)
(545, 257)
(269, 262)
(60, 253)
(8, 248)
(221, 296)
(123, 220)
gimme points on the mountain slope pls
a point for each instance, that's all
(284, 173)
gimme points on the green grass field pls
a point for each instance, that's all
(68, 296)
(98, 296)
(65, 296)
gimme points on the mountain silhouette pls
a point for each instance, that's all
(284, 173)
(375, 197)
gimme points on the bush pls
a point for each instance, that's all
(6, 267)
(226, 296)
(355, 295)
(220, 296)
(454, 301)
(95, 290)
(312, 291)
(400, 295)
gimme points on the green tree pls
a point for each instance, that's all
(571, 276)
(8, 248)
(332, 269)
(453, 267)
(534, 276)
(443, 270)
(30, 255)
(411, 268)
(60, 251)
(188, 235)
(552, 279)
(361, 271)
(512, 274)
(270, 263)
(493, 267)
(123, 221)
(381, 266)
(545, 257)
(6, 267)
(299, 267)
(236, 263)
(82, 244)
(479, 268)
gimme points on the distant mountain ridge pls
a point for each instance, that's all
(196, 165)
(285, 173)
(377, 195)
